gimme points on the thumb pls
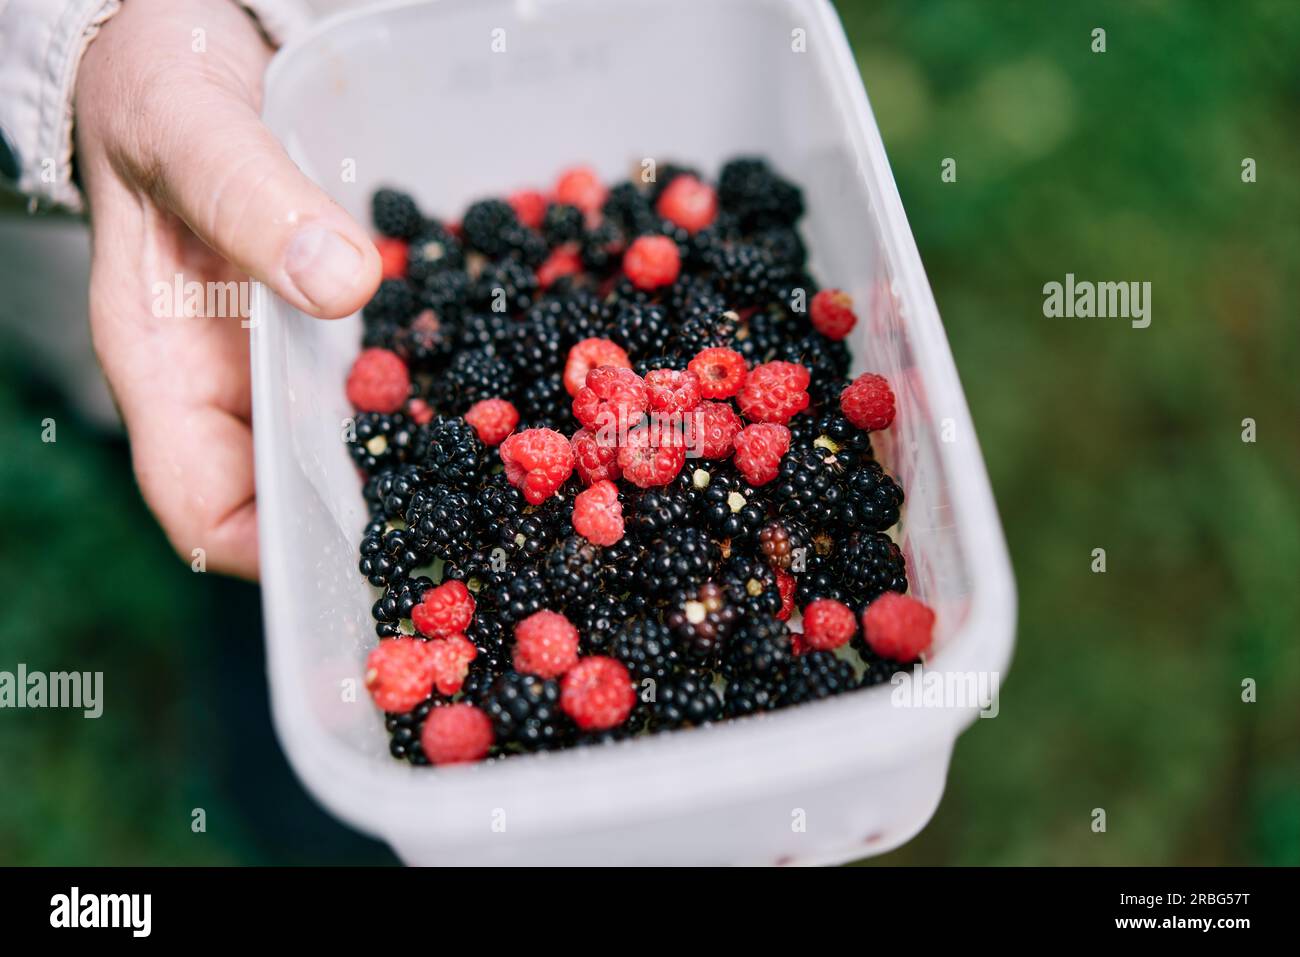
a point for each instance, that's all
(236, 188)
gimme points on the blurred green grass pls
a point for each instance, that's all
(1125, 689)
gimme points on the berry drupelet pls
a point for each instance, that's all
(525, 712)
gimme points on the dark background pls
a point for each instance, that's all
(1125, 692)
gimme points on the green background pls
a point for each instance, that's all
(1125, 691)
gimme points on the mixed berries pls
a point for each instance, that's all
(619, 480)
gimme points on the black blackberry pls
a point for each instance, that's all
(380, 333)
(871, 564)
(815, 675)
(754, 694)
(572, 571)
(826, 359)
(599, 620)
(481, 570)
(389, 554)
(639, 328)
(404, 731)
(393, 301)
(683, 557)
(833, 433)
(654, 511)
(562, 223)
(446, 293)
(879, 670)
(751, 584)
(785, 542)
(488, 331)
(822, 577)
(491, 227)
(440, 521)
(504, 286)
(623, 565)
(396, 602)
(786, 247)
(492, 639)
(535, 346)
(692, 295)
(684, 701)
(760, 646)
(474, 374)
(426, 343)
(871, 498)
(379, 441)
(646, 647)
(545, 403)
(745, 274)
(525, 712)
(521, 594)
(395, 488)
(452, 454)
(730, 507)
(432, 250)
(712, 239)
(395, 213)
(761, 336)
(602, 248)
(708, 330)
(527, 535)
(702, 621)
(670, 360)
(478, 682)
(628, 208)
(807, 485)
(578, 313)
(749, 188)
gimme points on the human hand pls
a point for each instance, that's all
(182, 179)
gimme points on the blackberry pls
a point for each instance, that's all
(426, 343)
(646, 647)
(751, 584)
(630, 210)
(389, 554)
(761, 336)
(479, 570)
(815, 675)
(395, 214)
(671, 360)
(491, 227)
(395, 488)
(879, 670)
(504, 286)
(452, 454)
(826, 359)
(785, 246)
(404, 731)
(701, 621)
(478, 682)
(712, 239)
(544, 403)
(684, 701)
(754, 694)
(395, 604)
(446, 292)
(833, 433)
(683, 557)
(714, 328)
(528, 535)
(578, 313)
(730, 507)
(807, 481)
(432, 250)
(473, 375)
(380, 441)
(745, 274)
(525, 712)
(380, 333)
(493, 641)
(871, 498)
(760, 646)
(535, 346)
(821, 578)
(572, 571)
(692, 295)
(393, 301)
(760, 198)
(439, 520)
(786, 542)
(519, 595)
(488, 331)
(639, 328)
(871, 564)
(656, 510)
(562, 224)
(599, 620)
(602, 248)
(623, 564)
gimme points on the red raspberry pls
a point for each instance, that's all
(546, 645)
(672, 392)
(563, 261)
(688, 203)
(456, 734)
(785, 588)
(898, 627)
(827, 624)
(598, 514)
(832, 313)
(399, 673)
(597, 693)
(590, 354)
(581, 187)
(595, 459)
(529, 205)
(652, 456)
(797, 644)
(421, 412)
(868, 402)
(538, 461)
(759, 448)
(613, 397)
(721, 371)
(378, 382)
(715, 427)
(492, 419)
(392, 257)
(652, 261)
(451, 657)
(445, 610)
(774, 392)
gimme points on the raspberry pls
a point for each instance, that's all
(798, 644)
(827, 624)
(421, 412)
(392, 257)
(652, 261)
(537, 461)
(898, 627)
(688, 203)
(445, 610)
(785, 588)
(492, 419)
(868, 402)
(759, 448)
(717, 426)
(581, 187)
(598, 514)
(721, 372)
(451, 658)
(563, 261)
(612, 396)
(774, 392)
(546, 645)
(597, 693)
(651, 456)
(378, 382)
(529, 206)
(590, 354)
(672, 392)
(595, 459)
(832, 313)
(456, 734)
(399, 673)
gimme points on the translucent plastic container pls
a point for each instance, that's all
(412, 94)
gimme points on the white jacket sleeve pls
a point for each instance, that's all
(41, 45)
